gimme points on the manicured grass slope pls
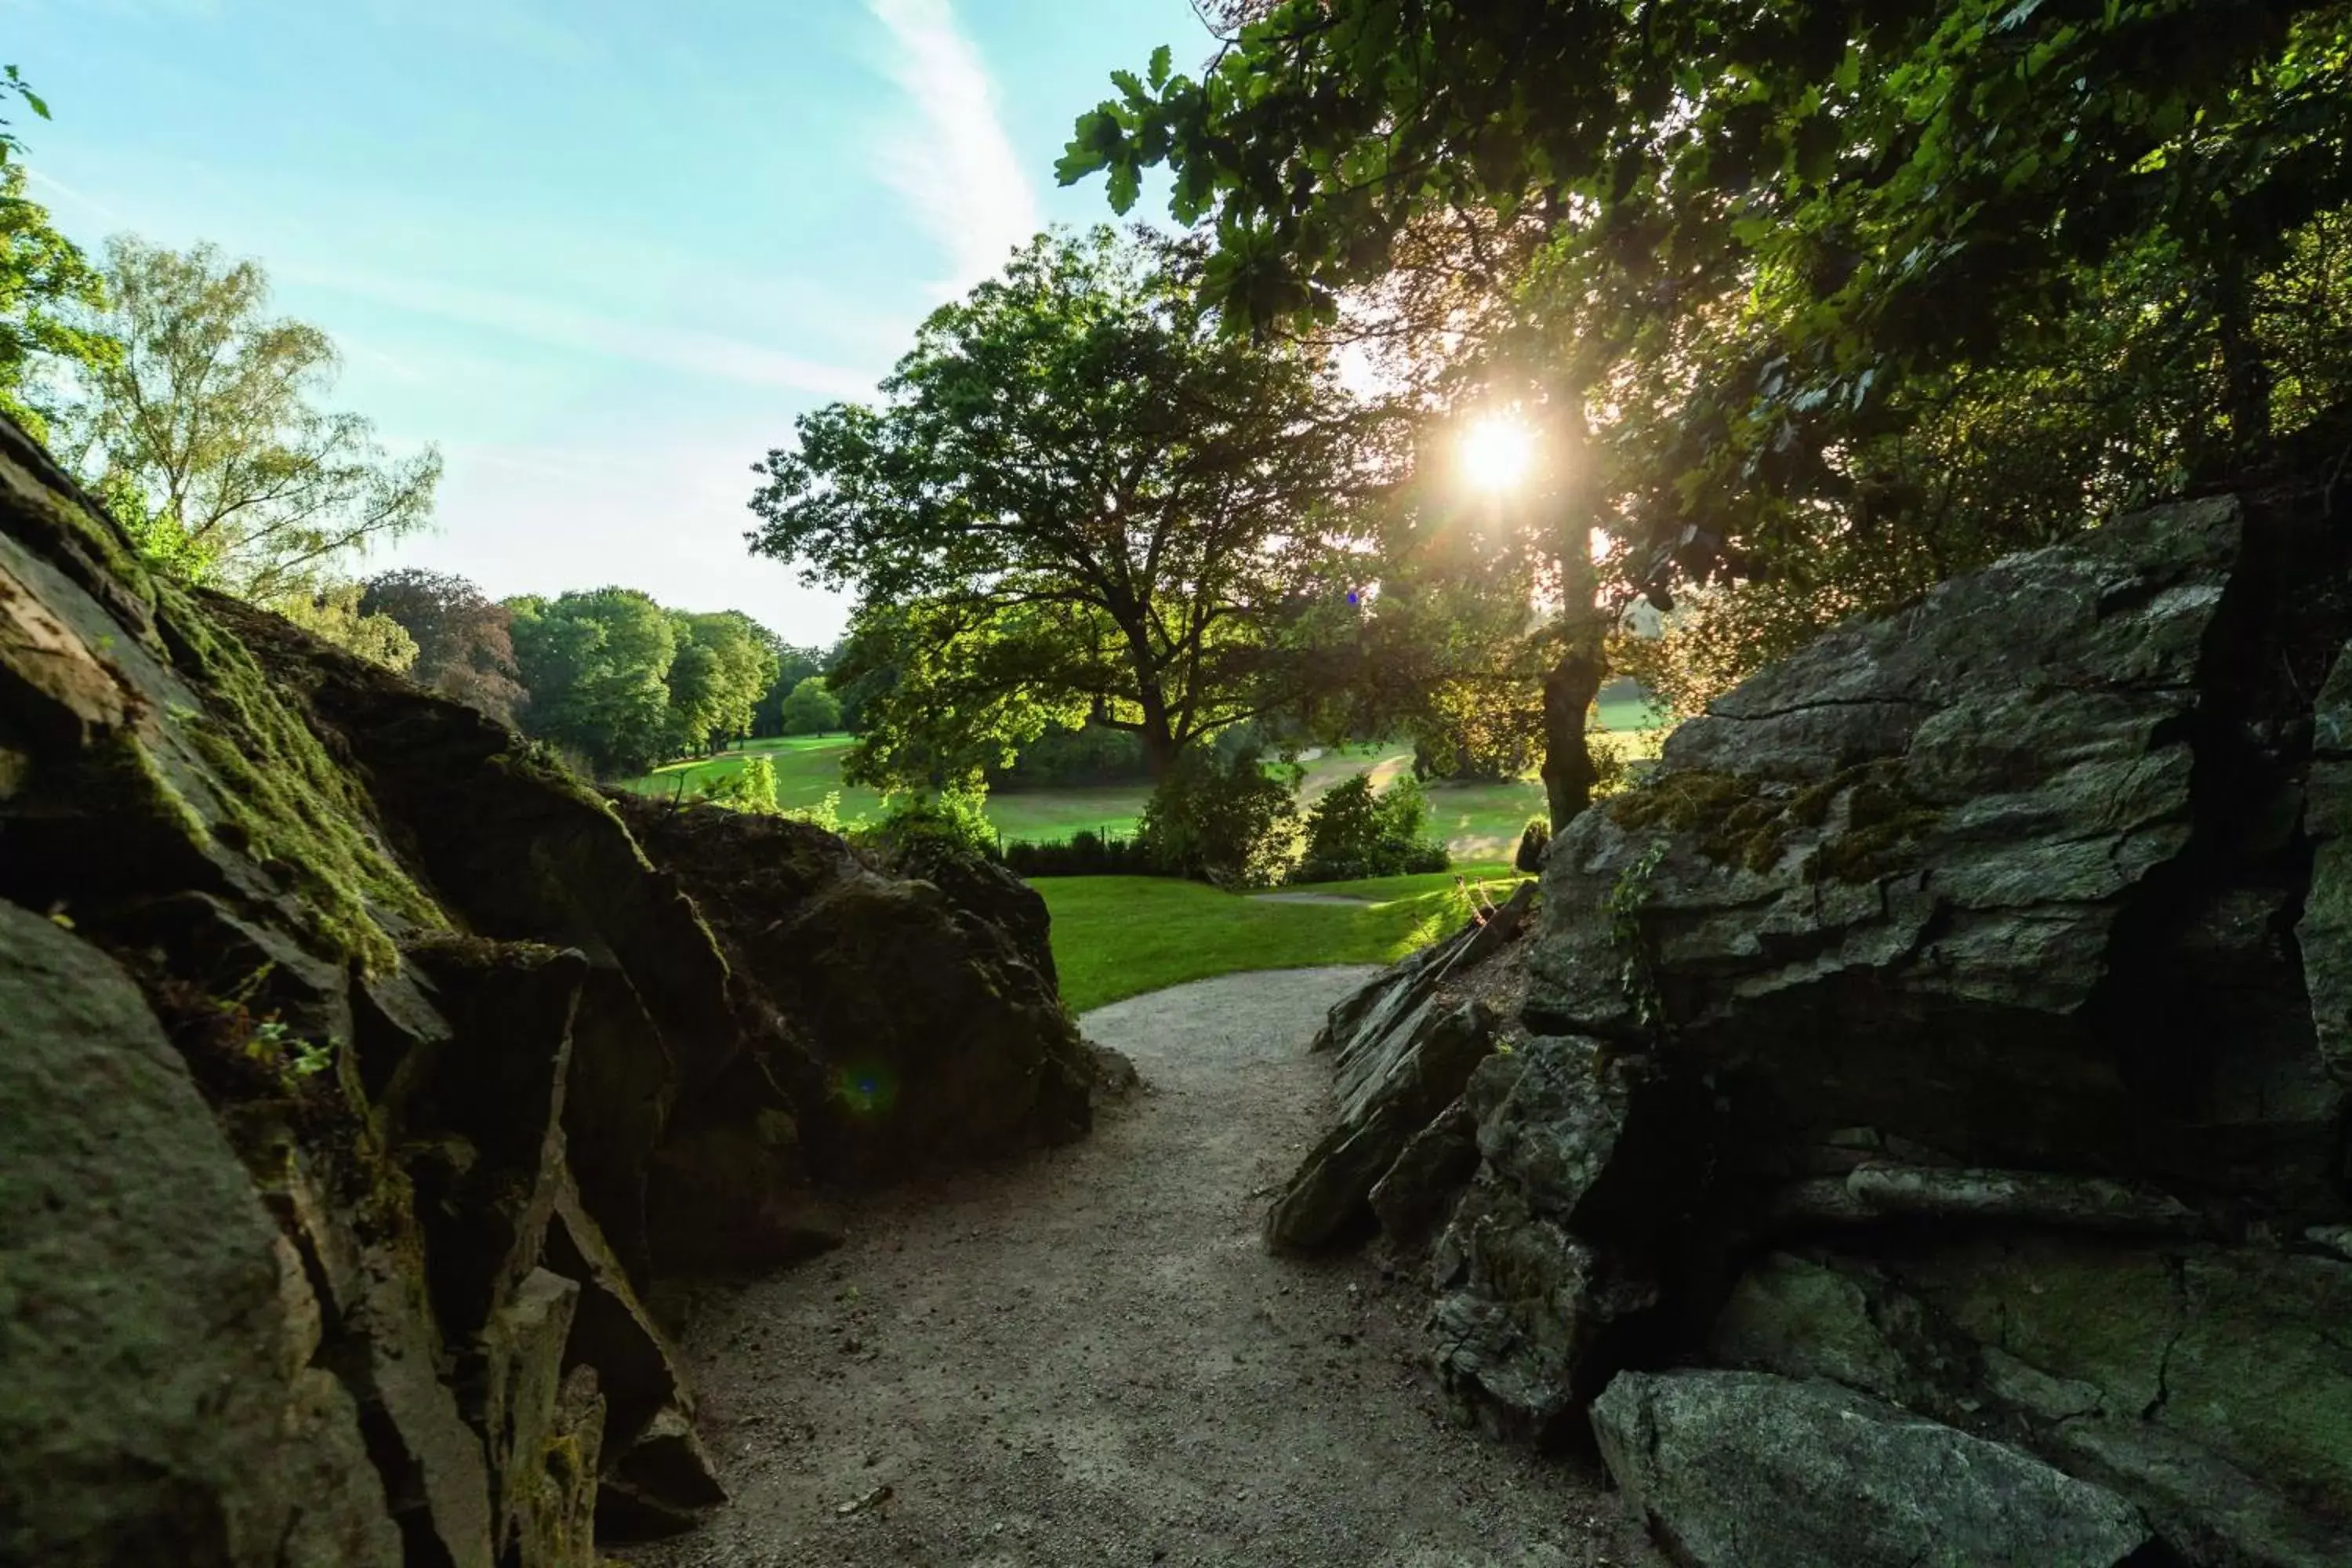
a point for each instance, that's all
(1477, 821)
(1116, 937)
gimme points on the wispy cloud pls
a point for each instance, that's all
(73, 197)
(693, 352)
(959, 174)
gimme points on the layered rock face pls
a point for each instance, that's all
(358, 1066)
(1958, 1022)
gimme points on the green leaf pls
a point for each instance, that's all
(1162, 63)
(1126, 185)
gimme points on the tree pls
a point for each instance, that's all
(464, 640)
(48, 291)
(811, 710)
(209, 411)
(724, 663)
(1080, 499)
(1806, 263)
(597, 665)
(793, 664)
(338, 612)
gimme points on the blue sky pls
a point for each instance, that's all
(600, 253)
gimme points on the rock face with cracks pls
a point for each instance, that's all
(358, 1068)
(1951, 1036)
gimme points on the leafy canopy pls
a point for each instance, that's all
(1781, 227)
(464, 640)
(1080, 498)
(207, 416)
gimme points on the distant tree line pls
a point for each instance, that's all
(614, 679)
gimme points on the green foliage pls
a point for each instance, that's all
(751, 787)
(206, 404)
(811, 710)
(336, 612)
(824, 813)
(48, 295)
(1354, 831)
(724, 663)
(1090, 754)
(1085, 853)
(1623, 904)
(290, 1058)
(1230, 821)
(1853, 297)
(952, 822)
(793, 664)
(1080, 500)
(597, 666)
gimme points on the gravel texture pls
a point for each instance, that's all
(1087, 1358)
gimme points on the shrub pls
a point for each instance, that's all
(751, 787)
(824, 813)
(1093, 754)
(1533, 840)
(1354, 831)
(954, 821)
(1227, 820)
(1083, 854)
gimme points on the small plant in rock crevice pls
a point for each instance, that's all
(1637, 978)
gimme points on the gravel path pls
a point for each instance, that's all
(1087, 1358)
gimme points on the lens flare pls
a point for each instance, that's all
(1497, 452)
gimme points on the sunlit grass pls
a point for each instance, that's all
(1478, 822)
(1116, 937)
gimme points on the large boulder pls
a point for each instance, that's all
(935, 1032)
(131, 1241)
(1748, 1470)
(1959, 1013)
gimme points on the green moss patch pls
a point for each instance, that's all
(288, 807)
(1745, 821)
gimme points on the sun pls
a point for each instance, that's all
(1497, 452)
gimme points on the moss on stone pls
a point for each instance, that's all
(135, 785)
(1745, 821)
(1884, 822)
(295, 813)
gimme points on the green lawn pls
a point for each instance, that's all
(1116, 937)
(1477, 821)
(808, 768)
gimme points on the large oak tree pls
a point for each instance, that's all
(1080, 497)
(1844, 297)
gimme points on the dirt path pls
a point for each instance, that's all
(1089, 1359)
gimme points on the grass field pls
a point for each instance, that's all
(1116, 937)
(1477, 821)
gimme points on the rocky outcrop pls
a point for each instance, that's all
(1404, 1048)
(965, 1052)
(1390, 1092)
(1743, 1470)
(1958, 1014)
(134, 1242)
(358, 1068)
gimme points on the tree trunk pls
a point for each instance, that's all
(1159, 740)
(1569, 774)
(1572, 682)
(2246, 376)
